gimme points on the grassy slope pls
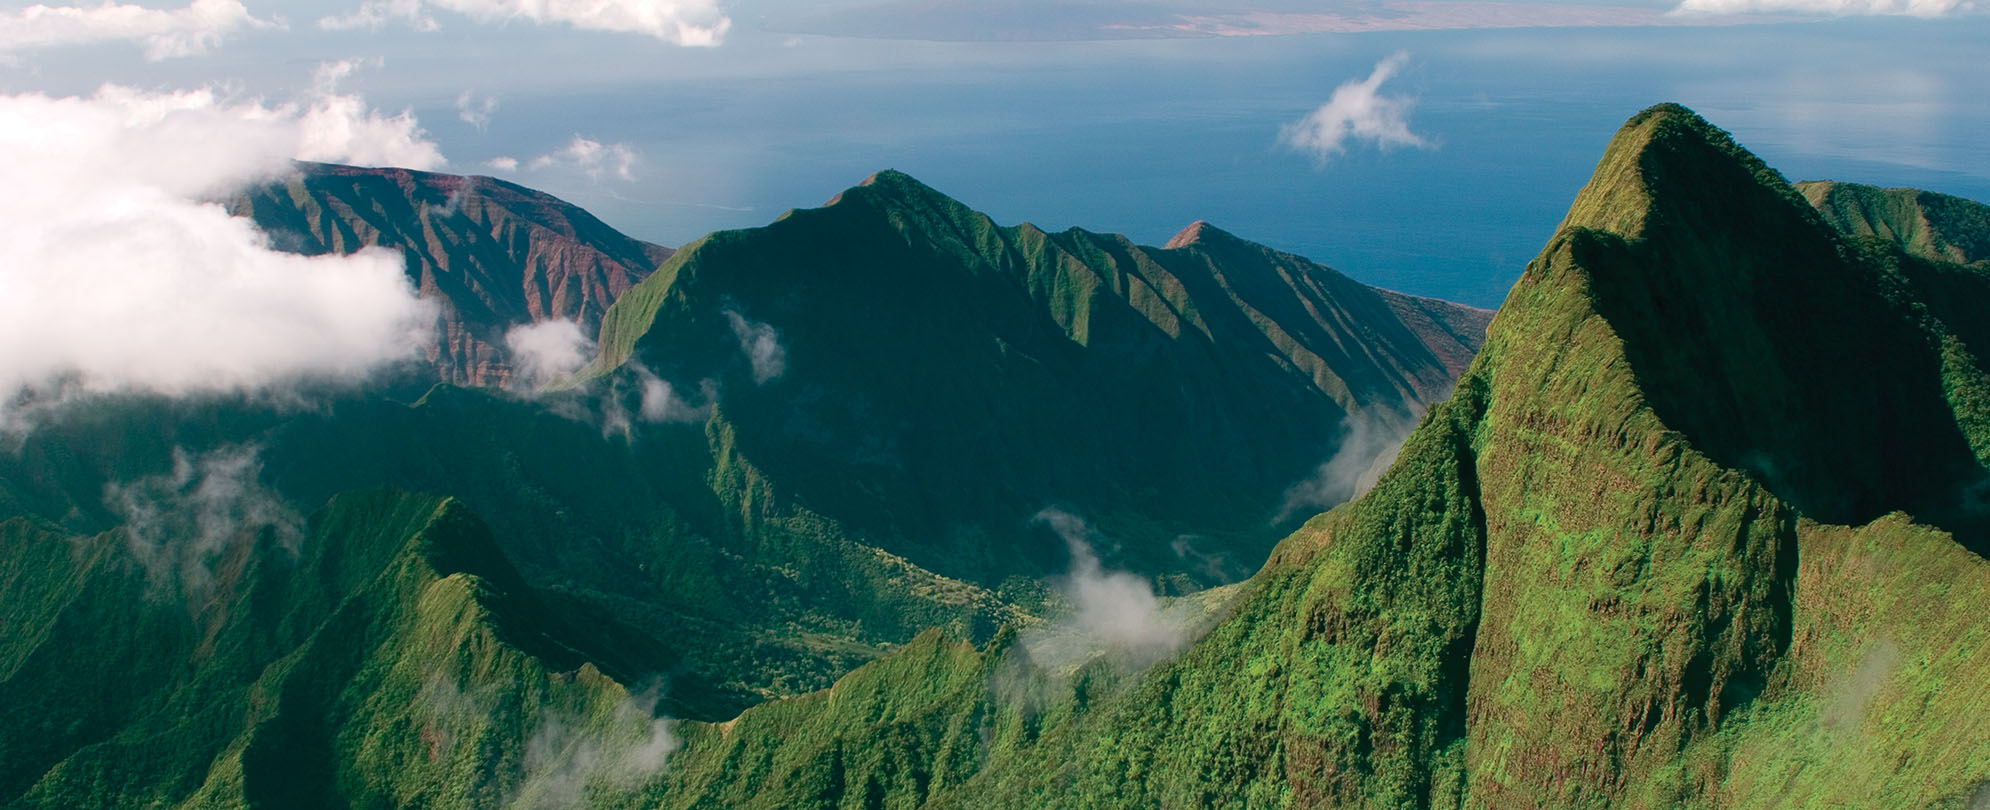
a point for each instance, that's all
(654, 537)
(655, 550)
(1647, 624)
(1929, 225)
(300, 682)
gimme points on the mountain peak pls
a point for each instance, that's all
(1197, 232)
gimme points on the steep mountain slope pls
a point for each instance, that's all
(391, 659)
(1652, 553)
(180, 633)
(493, 254)
(1932, 226)
(944, 378)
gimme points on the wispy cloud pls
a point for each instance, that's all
(118, 278)
(1357, 112)
(179, 526)
(164, 33)
(573, 753)
(1828, 8)
(569, 757)
(1116, 613)
(680, 22)
(503, 163)
(592, 158)
(761, 345)
(1368, 446)
(474, 110)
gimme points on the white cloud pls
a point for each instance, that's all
(569, 757)
(1114, 611)
(1357, 111)
(761, 345)
(1367, 448)
(475, 111)
(165, 33)
(114, 277)
(548, 350)
(503, 163)
(1832, 8)
(591, 157)
(681, 22)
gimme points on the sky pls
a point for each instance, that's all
(1429, 146)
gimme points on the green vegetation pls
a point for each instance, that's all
(1700, 526)
(212, 602)
(1933, 226)
(1594, 578)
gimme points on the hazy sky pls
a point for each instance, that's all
(1420, 144)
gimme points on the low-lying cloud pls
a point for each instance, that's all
(761, 345)
(1368, 446)
(568, 755)
(181, 525)
(698, 23)
(117, 277)
(1828, 8)
(546, 351)
(164, 33)
(1357, 112)
(1112, 612)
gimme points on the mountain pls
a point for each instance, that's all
(943, 379)
(495, 255)
(802, 446)
(1932, 226)
(1701, 526)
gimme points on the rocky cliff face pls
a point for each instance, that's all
(493, 254)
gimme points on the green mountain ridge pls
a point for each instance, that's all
(1576, 587)
(1699, 525)
(251, 620)
(1217, 373)
(1933, 226)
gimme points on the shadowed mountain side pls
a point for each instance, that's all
(495, 255)
(945, 378)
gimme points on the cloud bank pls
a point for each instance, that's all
(164, 33)
(116, 278)
(1829, 8)
(699, 23)
(1356, 112)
